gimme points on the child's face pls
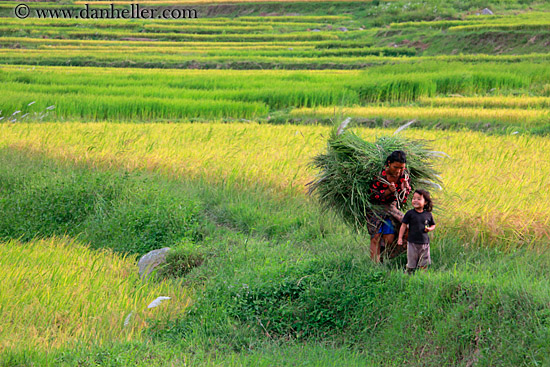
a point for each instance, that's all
(418, 201)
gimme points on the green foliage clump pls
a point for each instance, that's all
(316, 299)
(181, 260)
(350, 164)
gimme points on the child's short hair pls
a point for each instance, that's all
(428, 206)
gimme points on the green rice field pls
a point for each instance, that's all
(122, 136)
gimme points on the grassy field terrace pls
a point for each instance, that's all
(196, 131)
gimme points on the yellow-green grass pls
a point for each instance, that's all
(243, 20)
(432, 24)
(172, 2)
(509, 115)
(532, 26)
(56, 292)
(493, 185)
(488, 102)
(179, 54)
(108, 58)
(120, 34)
(135, 43)
(475, 21)
(156, 29)
(271, 50)
(192, 49)
(268, 22)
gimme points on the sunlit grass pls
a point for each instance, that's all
(510, 115)
(57, 292)
(493, 185)
(115, 94)
(488, 102)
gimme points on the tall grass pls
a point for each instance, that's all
(509, 115)
(124, 108)
(489, 102)
(57, 292)
(503, 170)
(134, 94)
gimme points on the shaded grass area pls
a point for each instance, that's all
(283, 284)
(123, 211)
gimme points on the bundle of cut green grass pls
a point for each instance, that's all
(350, 164)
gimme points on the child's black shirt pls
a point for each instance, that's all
(417, 222)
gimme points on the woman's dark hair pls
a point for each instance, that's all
(397, 156)
(428, 205)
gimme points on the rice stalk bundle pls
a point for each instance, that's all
(349, 165)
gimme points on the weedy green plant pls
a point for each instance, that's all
(181, 259)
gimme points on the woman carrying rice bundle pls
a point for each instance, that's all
(367, 183)
(390, 190)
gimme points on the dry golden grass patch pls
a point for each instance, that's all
(57, 292)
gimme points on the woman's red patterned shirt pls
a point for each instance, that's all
(378, 189)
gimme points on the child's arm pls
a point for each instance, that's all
(430, 228)
(401, 233)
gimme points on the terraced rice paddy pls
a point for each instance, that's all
(237, 102)
(90, 94)
(44, 78)
(278, 156)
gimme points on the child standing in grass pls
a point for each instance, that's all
(419, 221)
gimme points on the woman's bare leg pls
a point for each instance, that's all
(388, 239)
(375, 247)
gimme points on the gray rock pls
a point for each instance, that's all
(343, 29)
(486, 11)
(316, 30)
(151, 260)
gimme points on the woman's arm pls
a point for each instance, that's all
(380, 192)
